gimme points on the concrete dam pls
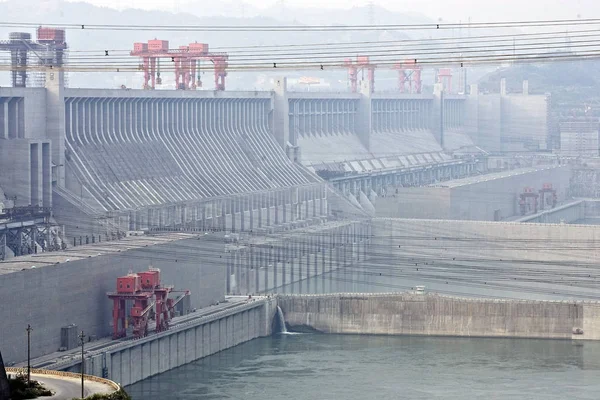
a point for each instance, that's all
(229, 194)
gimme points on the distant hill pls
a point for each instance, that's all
(573, 85)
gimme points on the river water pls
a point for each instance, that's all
(315, 366)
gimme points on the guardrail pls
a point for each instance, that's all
(349, 295)
(50, 372)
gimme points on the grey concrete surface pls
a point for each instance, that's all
(435, 315)
(265, 264)
(565, 213)
(522, 242)
(502, 259)
(481, 198)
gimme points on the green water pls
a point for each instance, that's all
(308, 366)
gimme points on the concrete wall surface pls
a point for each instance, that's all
(273, 261)
(525, 121)
(435, 315)
(15, 176)
(415, 202)
(567, 213)
(59, 292)
(490, 123)
(521, 242)
(482, 198)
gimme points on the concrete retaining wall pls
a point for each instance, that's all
(435, 315)
(135, 360)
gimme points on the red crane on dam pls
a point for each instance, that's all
(409, 76)
(360, 65)
(548, 197)
(149, 300)
(528, 201)
(185, 61)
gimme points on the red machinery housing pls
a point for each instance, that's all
(444, 76)
(185, 60)
(409, 76)
(362, 63)
(548, 198)
(528, 201)
(52, 35)
(149, 301)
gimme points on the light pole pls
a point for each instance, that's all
(81, 338)
(29, 354)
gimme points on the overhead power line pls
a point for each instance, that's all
(307, 65)
(512, 37)
(397, 50)
(273, 28)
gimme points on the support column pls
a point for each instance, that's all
(55, 121)
(364, 117)
(291, 256)
(437, 117)
(281, 110)
(471, 116)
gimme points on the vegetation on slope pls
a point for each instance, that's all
(20, 390)
(120, 395)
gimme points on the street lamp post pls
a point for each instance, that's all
(81, 338)
(29, 354)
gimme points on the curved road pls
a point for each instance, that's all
(66, 388)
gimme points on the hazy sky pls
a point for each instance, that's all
(478, 10)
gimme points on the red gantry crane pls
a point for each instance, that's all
(528, 201)
(150, 301)
(362, 63)
(185, 61)
(409, 76)
(444, 76)
(548, 198)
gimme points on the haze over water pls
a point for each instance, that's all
(315, 366)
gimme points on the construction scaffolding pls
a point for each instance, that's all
(28, 230)
(48, 51)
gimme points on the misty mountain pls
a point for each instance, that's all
(314, 16)
(574, 85)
